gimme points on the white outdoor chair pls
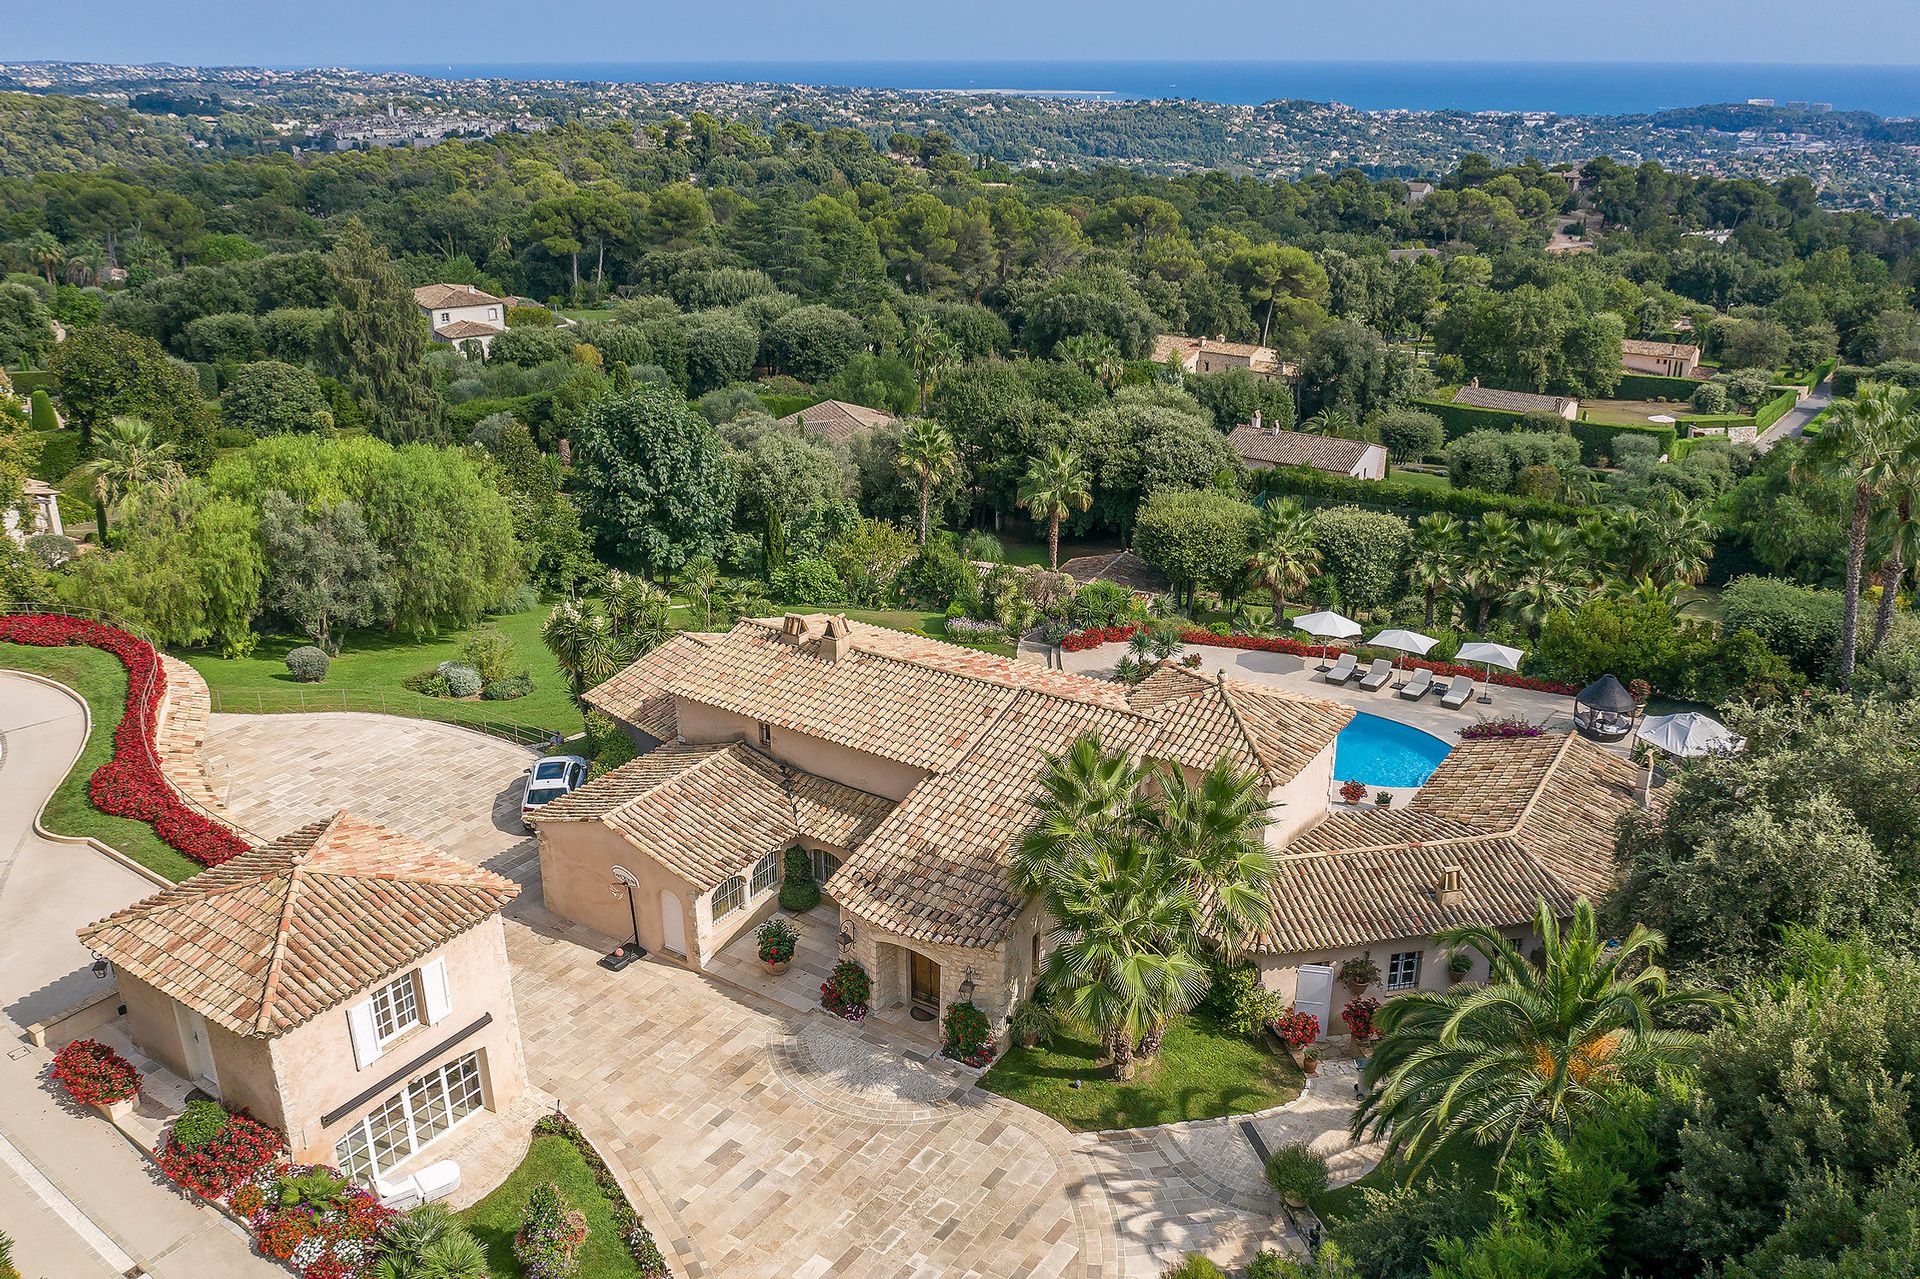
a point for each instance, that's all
(1418, 687)
(1377, 674)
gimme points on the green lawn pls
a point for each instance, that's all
(99, 678)
(1426, 479)
(551, 1158)
(367, 674)
(1204, 1071)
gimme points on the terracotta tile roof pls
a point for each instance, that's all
(1674, 350)
(638, 695)
(281, 934)
(38, 488)
(460, 330)
(1202, 720)
(709, 812)
(1521, 819)
(445, 297)
(1259, 446)
(1123, 568)
(837, 421)
(1260, 359)
(1487, 397)
(936, 869)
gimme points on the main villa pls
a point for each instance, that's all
(905, 769)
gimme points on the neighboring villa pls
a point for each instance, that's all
(1217, 355)
(1661, 359)
(1261, 447)
(836, 421)
(906, 769)
(462, 313)
(346, 984)
(1485, 397)
(43, 502)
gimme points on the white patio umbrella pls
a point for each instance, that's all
(1405, 641)
(1689, 734)
(1665, 419)
(1324, 626)
(1489, 656)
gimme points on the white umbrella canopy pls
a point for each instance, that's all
(1690, 734)
(1490, 654)
(1663, 418)
(1405, 641)
(1324, 626)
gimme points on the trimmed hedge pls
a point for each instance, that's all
(27, 381)
(1596, 438)
(1651, 386)
(1459, 419)
(1319, 488)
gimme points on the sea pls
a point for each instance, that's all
(1564, 88)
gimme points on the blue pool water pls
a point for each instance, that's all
(1385, 752)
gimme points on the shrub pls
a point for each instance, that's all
(1196, 538)
(94, 1074)
(1710, 397)
(489, 652)
(798, 889)
(505, 690)
(1410, 434)
(551, 1232)
(51, 550)
(808, 580)
(1296, 1173)
(308, 664)
(968, 1036)
(41, 410)
(1297, 1029)
(1237, 1001)
(202, 1121)
(216, 1167)
(1364, 550)
(1194, 1266)
(847, 992)
(462, 680)
(427, 683)
(778, 940)
(1801, 623)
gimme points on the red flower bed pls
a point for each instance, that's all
(130, 784)
(1095, 636)
(214, 1168)
(94, 1074)
(334, 1239)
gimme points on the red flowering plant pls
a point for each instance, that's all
(94, 1074)
(215, 1167)
(846, 992)
(313, 1219)
(1359, 1016)
(130, 783)
(1353, 792)
(969, 1037)
(1488, 729)
(1296, 1029)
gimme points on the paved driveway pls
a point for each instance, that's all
(761, 1142)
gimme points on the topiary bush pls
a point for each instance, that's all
(798, 889)
(308, 664)
(508, 688)
(462, 680)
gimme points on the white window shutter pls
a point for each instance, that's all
(433, 989)
(366, 1044)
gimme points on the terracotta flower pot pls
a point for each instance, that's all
(778, 966)
(1311, 1065)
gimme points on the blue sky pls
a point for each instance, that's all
(334, 32)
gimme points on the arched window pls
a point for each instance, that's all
(729, 897)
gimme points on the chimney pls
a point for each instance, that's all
(1645, 789)
(793, 628)
(1475, 382)
(1450, 893)
(838, 640)
(1256, 419)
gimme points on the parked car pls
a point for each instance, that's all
(548, 780)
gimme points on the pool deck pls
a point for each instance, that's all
(1297, 675)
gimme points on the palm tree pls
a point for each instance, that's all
(1899, 480)
(127, 459)
(933, 353)
(1056, 485)
(1109, 366)
(699, 578)
(1489, 558)
(927, 451)
(1435, 557)
(638, 612)
(1284, 557)
(1597, 540)
(1681, 540)
(1544, 576)
(1329, 421)
(581, 641)
(1532, 1049)
(1860, 437)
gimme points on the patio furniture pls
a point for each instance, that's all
(1489, 656)
(1343, 670)
(1377, 675)
(1689, 735)
(1418, 687)
(1459, 689)
(1603, 711)
(1324, 626)
(1403, 641)
(435, 1181)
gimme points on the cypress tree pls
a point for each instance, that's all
(374, 339)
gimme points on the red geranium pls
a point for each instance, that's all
(130, 784)
(1359, 1016)
(94, 1074)
(1296, 1029)
(215, 1167)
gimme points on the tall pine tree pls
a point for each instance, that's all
(373, 341)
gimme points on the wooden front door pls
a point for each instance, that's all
(923, 987)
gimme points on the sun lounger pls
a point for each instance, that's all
(1378, 674)
(1459, 689)
(1344, 669)
(1417, 687)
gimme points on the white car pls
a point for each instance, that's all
(548, 780)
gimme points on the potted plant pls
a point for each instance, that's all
(1459, 964)
(1298, 1031)
(1297, 1174)
(93, 1074)
(1310, 1061)
(1359, 1017)
(1353, 792)
(1032, 1024)
(1383, 797)
(1360, 972)
(777, 939)
(1640, 691)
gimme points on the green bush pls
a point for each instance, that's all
(1194, 1265)
(1619, 636)
(1649, 386)
(1197, 538)
(799, 892)
(808, 580)
(1801, 623)
(1318, 488)
(1410, 434)
(427, 683)
(1295, 1172)
(308, 664)
(1364, 551)
(41, 410)
(1596, 438)
(1237, 1001)
(968, 1035)
(489, 652)
(202, 1121)
(507, 688)
(462, 680)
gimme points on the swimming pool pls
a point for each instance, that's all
(1384, 752)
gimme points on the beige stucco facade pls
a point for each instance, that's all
(1280, 973)
(893, 780)
(307, 1082)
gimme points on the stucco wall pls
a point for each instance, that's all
(865, 772)
(1278, 973)
(1001, 976)
(1301, 802)
(315, 1066)
(576, 875)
